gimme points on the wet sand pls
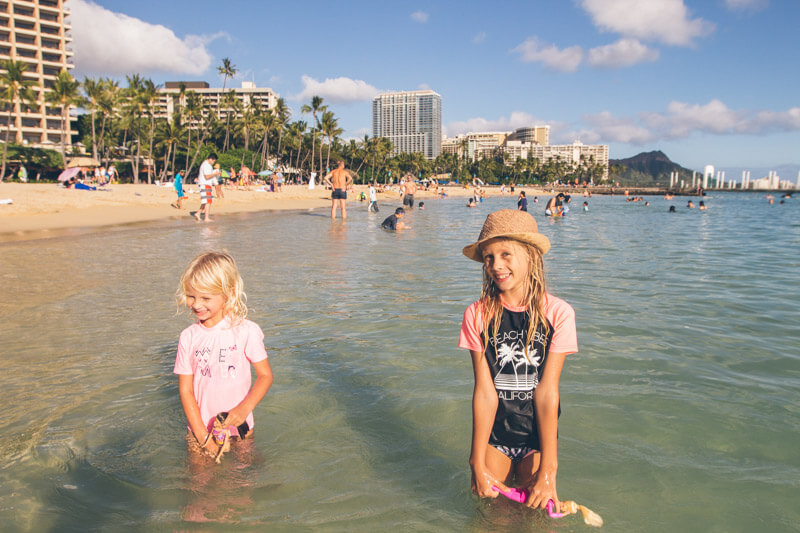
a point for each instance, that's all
(42, 210)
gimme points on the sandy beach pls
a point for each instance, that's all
(41, 210)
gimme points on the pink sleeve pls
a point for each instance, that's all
(562, 317)
(470, 338)
(183, 359)
(254, 343)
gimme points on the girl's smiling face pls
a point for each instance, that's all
(207, 307)
(508, 264)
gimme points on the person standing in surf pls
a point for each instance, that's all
(338, 180)
(215, 353)
(518, 335)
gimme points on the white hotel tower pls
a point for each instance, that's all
(412, 120)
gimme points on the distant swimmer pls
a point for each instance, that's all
(422, 205)
(393, 222)
(690, 205)
(585, 206)
(338, 179)
(471, 202)
(672, 209)
(702, 205)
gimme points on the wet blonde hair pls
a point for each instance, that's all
(534, 297)
(215, 273)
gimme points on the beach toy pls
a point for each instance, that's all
(589, 517)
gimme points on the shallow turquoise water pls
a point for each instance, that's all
(680, 411)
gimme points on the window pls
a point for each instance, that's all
(24, 11)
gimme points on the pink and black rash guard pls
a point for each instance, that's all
(516, 374)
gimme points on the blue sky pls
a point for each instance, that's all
(707, 82)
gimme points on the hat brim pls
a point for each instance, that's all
(473, 251)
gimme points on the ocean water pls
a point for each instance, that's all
(680, 412)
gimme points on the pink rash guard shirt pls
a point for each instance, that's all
(219, 359)
(558, 313)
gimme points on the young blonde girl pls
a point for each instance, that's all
(215, 353)
(518, 335)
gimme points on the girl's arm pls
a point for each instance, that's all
(238, 414)
(543, 485)
(192, 411)
(484, 408)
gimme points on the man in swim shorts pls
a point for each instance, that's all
(205, 180)
(338, 179)
(408, 188)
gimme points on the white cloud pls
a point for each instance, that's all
(419, 16)
(681, 120)
(623, 53)
(106, 42)
(605, 128)
(479, 37)
(665, 21)
(561, 60)
(746, 5)
(517, 119)
(337, 90)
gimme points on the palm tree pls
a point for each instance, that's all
(282, 114)
(93, 89)
(315, 107)
(194, 112)
(169, 135)
(226, 70)
(229, 104)
(134, 109)
(17, 92)
(149, 95)
(108, 104)
(331, 129)
(64, 94)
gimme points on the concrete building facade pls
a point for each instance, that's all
(412, 120)
(36, 32)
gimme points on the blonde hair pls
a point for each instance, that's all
(534, 297)
(215, 273)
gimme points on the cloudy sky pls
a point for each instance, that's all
(705, 81)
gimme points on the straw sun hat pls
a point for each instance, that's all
(509, 224)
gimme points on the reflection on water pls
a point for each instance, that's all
(679, 411)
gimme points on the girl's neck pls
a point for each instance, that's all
(213, 321)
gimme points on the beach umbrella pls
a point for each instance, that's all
(265, 173)
(68, 173)
(224, 174)
(83, 162)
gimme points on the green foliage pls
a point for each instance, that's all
(35, 159)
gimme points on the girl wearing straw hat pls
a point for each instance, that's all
(518, 335)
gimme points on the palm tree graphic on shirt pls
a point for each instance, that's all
(514, 355)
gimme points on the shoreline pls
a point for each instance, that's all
(44, 210)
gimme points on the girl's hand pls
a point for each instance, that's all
(211, 448)
(483, 483)
(543, 489)
(235, 417)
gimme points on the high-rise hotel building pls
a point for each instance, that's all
(412, 120)
(248, 94)
(36, 32)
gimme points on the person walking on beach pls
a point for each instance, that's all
(408, 188)
(215, 353)
(518, 336)
(338, 179)
(205, 180)
(178, 184)
(373, 199)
